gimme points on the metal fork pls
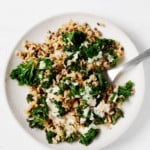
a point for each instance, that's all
(113, 74)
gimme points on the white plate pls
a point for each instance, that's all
(16, 95)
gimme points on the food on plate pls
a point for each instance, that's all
(69, 98)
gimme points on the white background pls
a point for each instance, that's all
(17, 16)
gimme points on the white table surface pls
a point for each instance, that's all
(17, 16)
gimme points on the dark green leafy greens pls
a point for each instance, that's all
(61, 109)
(47, 63)
(46, 84)
(25, 74)
(125, 91)
(117, 115)
(98, 120)
(29, 98)
(38, 114)
(49, 136)
(73, 137)
(88, 137)
(78, 38)
(29, 74)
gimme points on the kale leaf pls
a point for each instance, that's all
(88, 137)
(46, 84)
(25, 74)
(73, 137)
(49, 136)
(125, 91)
(98, 120)
(29, 98)
(76, 37)
(47, 63)
(117, 115)
(61, 109)
(38, 114)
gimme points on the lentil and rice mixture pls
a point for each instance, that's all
(69, 98)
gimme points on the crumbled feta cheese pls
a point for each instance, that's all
(82, 120)
(90, 60)
(88, 97)
(58, 53)
(85, 44)
(77, 96)
(92, 116)
(53, 90)
(110, 58)
(85, 111)
(75, 83)
(42, 65)
(74, 59)
(83, 130)
(40, 76)
(53, 110)
(67, 82)
(101, 109)
(68, 53)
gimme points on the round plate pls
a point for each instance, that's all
(16, 95)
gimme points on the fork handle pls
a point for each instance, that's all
(133, 62)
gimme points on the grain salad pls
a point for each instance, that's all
(69, 98)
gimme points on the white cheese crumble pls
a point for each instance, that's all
(102, 108)
(74, 59)
(110, 58)
(40, 76)
(75, 83)
(53, 110)
(85, 43)
(88, 97)
(58, 53)
(42, 65)
(85, 111)
(53, 90)
(68, 53)
(92, 117)
(91, 60)
(82, 120)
